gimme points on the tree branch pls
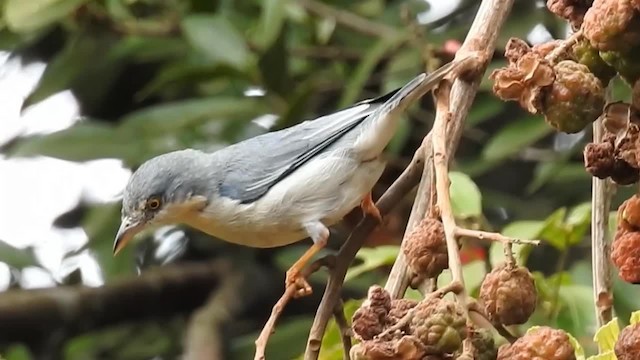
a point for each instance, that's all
(31, 316)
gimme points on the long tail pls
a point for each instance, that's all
(379, 128)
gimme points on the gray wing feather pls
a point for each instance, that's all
(255, 165)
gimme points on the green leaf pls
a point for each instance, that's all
(578, 349)
(525, 229)
(514, 137)
(81, 142)
(578, 222)
(466, 199)
(218, 39)
(24, 16)
(272, 18)
(373, 258)
(554, 231)
(325, 28)
(635, 318)
(174, 116)
(472, 272)
(17, 258)
(607, 335)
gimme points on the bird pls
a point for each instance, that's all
(276, 188)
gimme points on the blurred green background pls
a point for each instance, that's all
(91, 89)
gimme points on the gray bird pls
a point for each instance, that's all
(276, 188)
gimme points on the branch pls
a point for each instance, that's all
(278, 308)
(481, 38)
(31, 316)
(345, 329)
(349, 19)
(601, 194)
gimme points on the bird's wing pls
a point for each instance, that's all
(255, 165)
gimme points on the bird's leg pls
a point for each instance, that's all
(319, 234)
(369, 208)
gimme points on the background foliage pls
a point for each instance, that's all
(153, 76)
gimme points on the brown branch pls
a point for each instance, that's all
(601, 194)
(481, 38)
(405, 182)
(345, 330)
(349, 19)
(278, 308)
(492, 236)
(31, 316)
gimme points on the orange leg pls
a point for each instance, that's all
(319, 234)
(369, 208)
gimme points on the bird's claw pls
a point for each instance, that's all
(295, 279)
(370, 208)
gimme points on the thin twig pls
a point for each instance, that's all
(401, 187)
(492, 236)
(601, 194)
(289, 293)
(480, 318)
(349, 19)
(482, 36)
(345, 329)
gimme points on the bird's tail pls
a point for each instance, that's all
(381, 124)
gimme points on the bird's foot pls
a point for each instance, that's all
(369, 208)
(294, 278)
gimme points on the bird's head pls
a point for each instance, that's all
(163, 190)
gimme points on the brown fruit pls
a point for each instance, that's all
(575, 99)
(542, 343)
(400, 308)
(629, 212)
(509, 294)
(628, 343)
(440, 324)
(370, 319)
(571, 10)
(404, 348)
(484, 347)
(599, 159)
(625, 255)
(612, 25)
(426, 249)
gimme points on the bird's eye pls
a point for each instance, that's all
(153, 204)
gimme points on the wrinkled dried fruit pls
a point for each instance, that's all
(440, 324)
(370, 319)
(628, 343)
(405, 348)
(571, 10)
(524, 81)
(426, 249)
(483, 344)
(612, 25)
(625, 255)
(538, 344)
(509, 294)
(599, 159)
(629, 213)
(400, 308)
(575, 99)
(626, 64)
(589, 56)
(543, 49)
(515, 49)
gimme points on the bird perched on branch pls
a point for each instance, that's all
(276, 188)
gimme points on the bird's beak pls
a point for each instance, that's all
(128, 229)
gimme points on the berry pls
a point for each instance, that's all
(575, 99)
(509, 294)
(625, 255)
(599, 159)
(370, 319)
(440, 325)
(612, 25)
(405, 348)
(400, 308)
(589, 56)
(571, 10)
(426, 249)
(538, 344)
(628, 343)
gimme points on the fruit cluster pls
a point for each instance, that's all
(625, 252)
(435, 330)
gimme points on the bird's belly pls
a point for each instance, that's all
(324, 190)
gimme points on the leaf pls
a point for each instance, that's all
(607, 355)
(578, 349)
(28, 16)
(373, 258)
(272, 19)
(514, 137)
(554, 231)
(174, 116)
(363, 70)
(17, 258)
(472, 272)
(82, 142)
(216, 37)
(607, 335)
(578, 222)
(466, 199)
(525, 229)
(325, 28)
(635, 318)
